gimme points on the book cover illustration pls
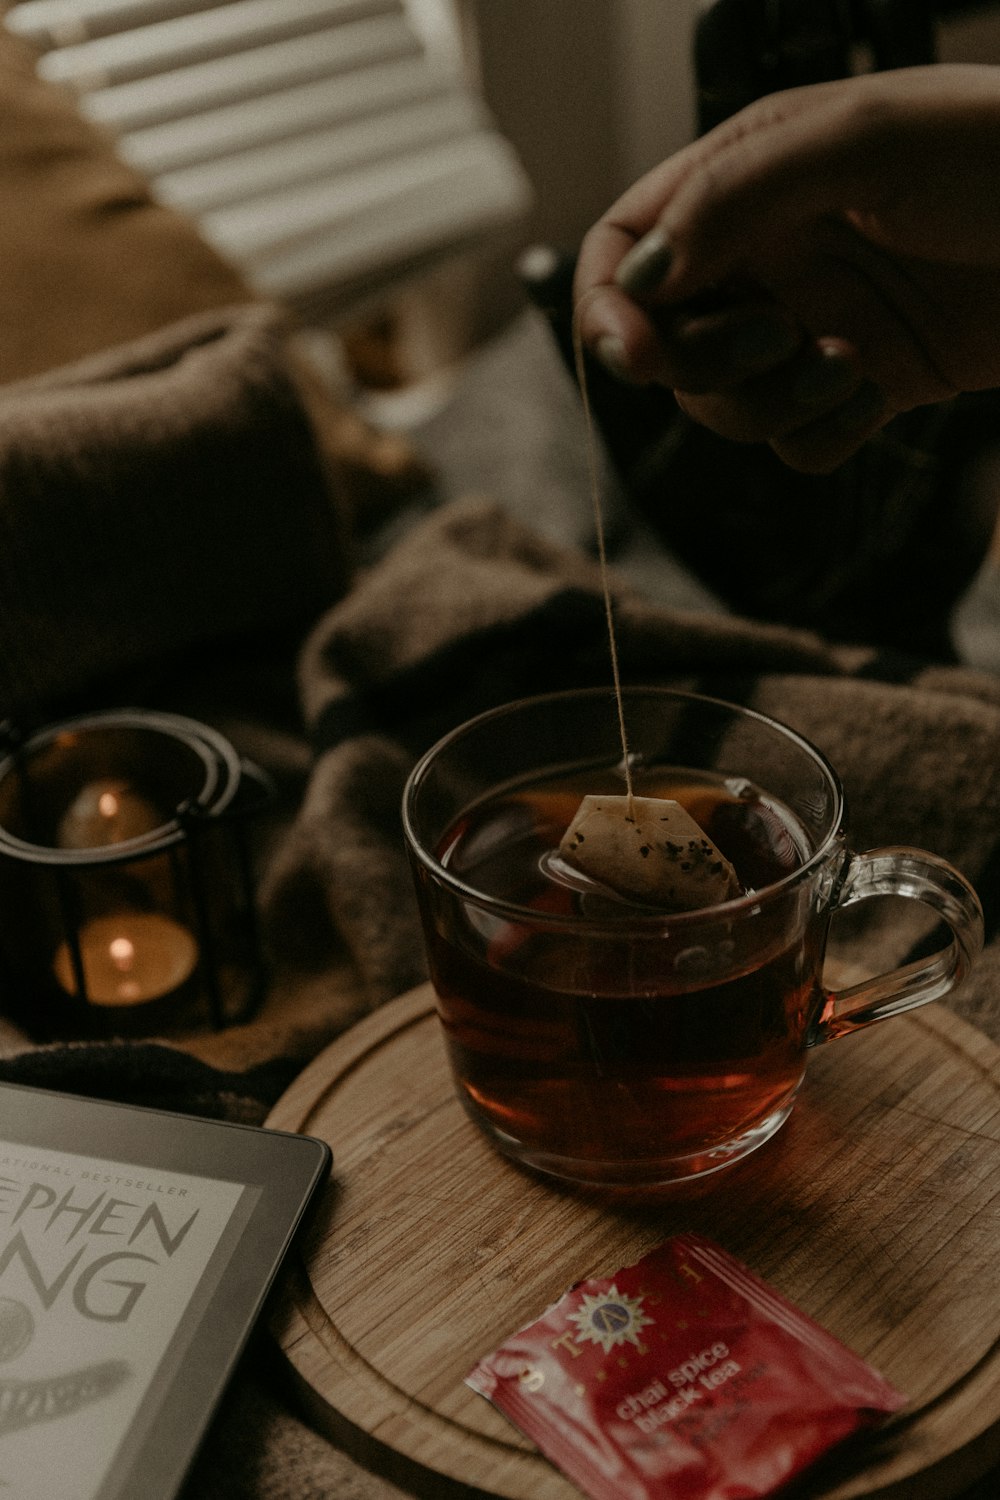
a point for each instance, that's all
(105, 1269)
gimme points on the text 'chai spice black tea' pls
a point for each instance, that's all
(682, 1377)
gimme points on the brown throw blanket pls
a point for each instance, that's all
(165, 494)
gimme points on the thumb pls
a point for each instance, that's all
(743, 190)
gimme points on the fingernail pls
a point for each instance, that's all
(644, 266)
(611, 352)
(824, 379)
(762, 342)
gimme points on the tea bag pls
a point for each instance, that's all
(648, 848)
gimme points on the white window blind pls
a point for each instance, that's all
(324, 146)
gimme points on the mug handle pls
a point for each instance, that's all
(913, 873)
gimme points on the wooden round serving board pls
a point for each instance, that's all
(876, 1209)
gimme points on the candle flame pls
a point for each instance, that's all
(108, 804)
(122, 951)
(128, 958)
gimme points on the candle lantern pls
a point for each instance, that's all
(126, 886)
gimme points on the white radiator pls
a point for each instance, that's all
(323, 146)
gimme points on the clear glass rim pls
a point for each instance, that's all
(655, 921)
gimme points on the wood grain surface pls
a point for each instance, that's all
(876, 1209)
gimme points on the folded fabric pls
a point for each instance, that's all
(164, 494)
(472, 609)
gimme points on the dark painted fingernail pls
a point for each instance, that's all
(644, 266)
(761, 342)
(611, 352)
(825, 379)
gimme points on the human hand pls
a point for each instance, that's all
(828, 257)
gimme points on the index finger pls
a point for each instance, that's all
(631, 216)
(606, 314)
(607, 319)
(715, 202)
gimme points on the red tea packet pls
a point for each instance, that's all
(683, 1376)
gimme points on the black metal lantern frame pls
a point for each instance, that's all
(126, 879)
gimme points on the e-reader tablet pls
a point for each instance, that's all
(137, 1247)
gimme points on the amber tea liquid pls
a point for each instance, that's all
(596, 1030)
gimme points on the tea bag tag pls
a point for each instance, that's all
(648, 848)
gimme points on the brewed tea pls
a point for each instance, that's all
(592, 1027)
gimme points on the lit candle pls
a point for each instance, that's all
(106, 812)
(129, 958)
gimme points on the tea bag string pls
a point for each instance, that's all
(602, 551)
